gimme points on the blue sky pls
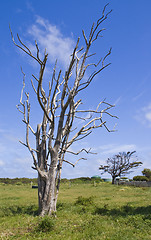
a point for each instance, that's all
(126, 83)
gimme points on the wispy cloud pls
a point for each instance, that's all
(30, 7)
(50, 37)
(1, 163)
(144, 115)
(118, 100)
(115, 148)
(138, 96)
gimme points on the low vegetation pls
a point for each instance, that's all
(85, 211)
(18, 181)
(146, 175)
(140, 178)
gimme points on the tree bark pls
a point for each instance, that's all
(47, 194)
(113, 180)
(46, 185)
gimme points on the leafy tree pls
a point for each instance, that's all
(147, 173)
(60, 107)
(119, 165)
(140, 178)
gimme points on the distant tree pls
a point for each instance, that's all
(60, 103)
(140, 178)
(147, 173)
(119, 165)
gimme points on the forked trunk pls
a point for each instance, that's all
(113, 179)
(47, 194)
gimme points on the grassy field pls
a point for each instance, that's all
(84, 212)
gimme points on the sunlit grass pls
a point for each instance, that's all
(84, 212)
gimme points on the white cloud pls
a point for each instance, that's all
(148, 107)
(49, 37)
(148, 116)
(144, 115)
(1, 163)
(115, 148)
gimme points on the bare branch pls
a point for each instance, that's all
(104, 124)
(82, 118)
(34, 87)
(23, 144)
(75, 162)
(98, 34)
(23, 44)
(91, 55)
(75, 138)
(87, 83)
(91, 31)
(29, 127)
(106, 57)
(26, 50)
(83, 149)
(35, 78)
(85, 37)
(103, 15)
(37, 52)
(80, 50)
(21, 97)
(40, 86)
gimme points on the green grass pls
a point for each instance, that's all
(84, 212)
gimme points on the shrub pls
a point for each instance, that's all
(140, 178)
(147, 172)
(84, 201)
(80, 180)
(46, 224)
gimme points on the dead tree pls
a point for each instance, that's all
(120, 165)
(60, 106)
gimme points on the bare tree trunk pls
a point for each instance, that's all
(47, 194)
(41, 191)
(113, 179)
(46, 185)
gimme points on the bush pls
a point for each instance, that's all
(140, 178)
(64, 180)
(46, 224)
(147, 173)
(84, 201)
(80, 180)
